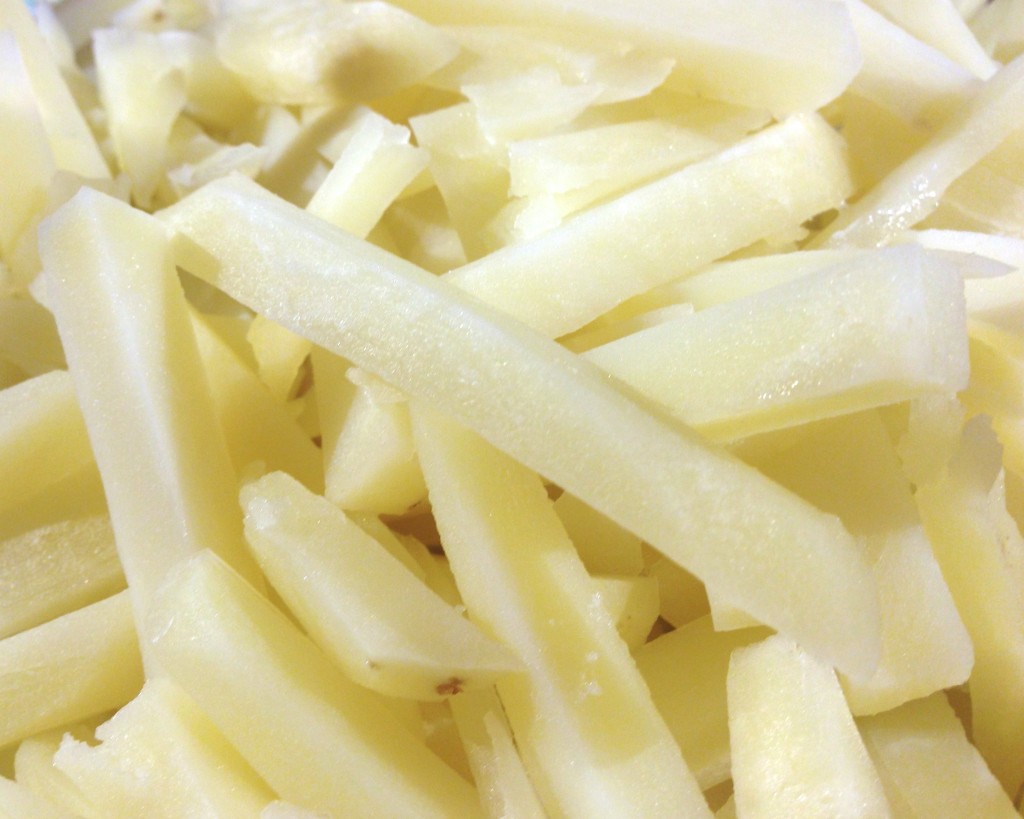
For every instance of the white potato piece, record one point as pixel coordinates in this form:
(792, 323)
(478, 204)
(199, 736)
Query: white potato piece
(928, 766)
(669, 488)
(686, 671)
(18, 802)
(368, 613)
(54, 569)
(633, 605)
(321, 741)
(913, 190)
(160, 756)
(24, 184)
(784, 55)
(795, 748)
(305, 52)
(73, 145)
(978, 545)
(661, 231)
(143, 93)
(34, 768)
(34, 414)
(522, 581)
(876, 330)
(83, 663)
(130, 345)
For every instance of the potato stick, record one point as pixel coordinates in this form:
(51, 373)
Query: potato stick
(543, 406)
(504, 786)
(321, 741)
(132, 352)
(73, 145)
(929, 767)
(875, 330)
(938, 23)
(974, 540)
(604, 547)
(55, 569)
(366, 611)
(795, 748)
(80, 664)
(523, 582)
(914, 189)
(161, 757)
(663, 230)
(34, 768)
(18, 802)
(256, 427)
(33, 415)
(686, 670)
(757, 53)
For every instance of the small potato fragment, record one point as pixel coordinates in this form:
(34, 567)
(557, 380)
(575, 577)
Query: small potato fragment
(303, 52)
(369, 614)
(80, 664)
(321, 741)
(795, 748)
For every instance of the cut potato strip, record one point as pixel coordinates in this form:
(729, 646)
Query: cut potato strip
(604, 547)
(632, 603)
(977, 545)
(914, 189)
(55, 569)
(80, 664)
(879, 329)
(504, 786)
(928, 767)
(322, 741)
(34, 768)
(160, 756)
(686, 671)
(73, 145)
(132, 352)
(523, 582)
(434, 342)
(256, 427)
(663, 230)
(370, 615)
(34, 414)
(795, 748)
(18, 802)
(758, 54)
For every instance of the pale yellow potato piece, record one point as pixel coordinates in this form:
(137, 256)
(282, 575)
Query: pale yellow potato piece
(24, 183)
(603, 546)
(498, 770)
(681, 596)
(928, 766)
(938, 23)
(795, 748)
(257, 428)
(910, 79)
(522, 581)
(469, 171)
(143, 93)
(310, 51)
(912, 191)
(663, 230)
(34, 768)
(422, 232)
(34, 414)
(160, 756)
(977, 546)
(369, 457)
(54, 569)
(783, 55)
(875, 330)
(28, 336)
(369, 614)
(73, 145)
(850, 468)
(132, 352)
(686, 671)
(669, 489)
(18, 802)
(320, 741)
(80, 664)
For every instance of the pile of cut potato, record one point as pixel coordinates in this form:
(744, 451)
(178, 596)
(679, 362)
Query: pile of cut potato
(512, 409)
